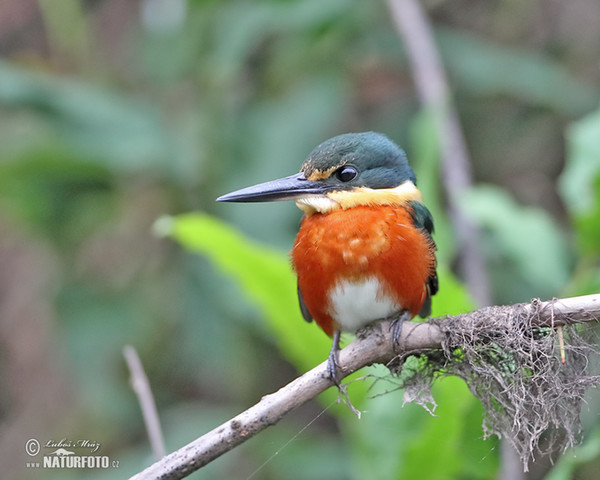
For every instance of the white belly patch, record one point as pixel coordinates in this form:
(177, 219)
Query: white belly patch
(355, 304)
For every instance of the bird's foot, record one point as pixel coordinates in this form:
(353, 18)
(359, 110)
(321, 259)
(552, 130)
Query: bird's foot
(396, 327)
(336, 375)
(333, 368)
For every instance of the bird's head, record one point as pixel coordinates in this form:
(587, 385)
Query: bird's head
(343, 172)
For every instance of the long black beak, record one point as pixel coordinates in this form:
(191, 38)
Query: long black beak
(287, 188)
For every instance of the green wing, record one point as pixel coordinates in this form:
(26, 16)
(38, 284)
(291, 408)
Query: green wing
(424, 221)
(303, 308)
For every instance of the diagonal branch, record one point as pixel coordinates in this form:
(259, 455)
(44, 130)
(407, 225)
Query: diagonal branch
(372, 345)
(141, 387)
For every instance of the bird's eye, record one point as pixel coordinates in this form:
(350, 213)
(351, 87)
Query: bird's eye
(347, 173)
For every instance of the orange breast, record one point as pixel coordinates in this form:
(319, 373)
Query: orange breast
(361, 243)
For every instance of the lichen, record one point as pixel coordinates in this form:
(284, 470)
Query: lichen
(512, 365)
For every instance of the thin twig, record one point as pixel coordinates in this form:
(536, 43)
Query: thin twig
(432, 88)
(141, 387)
(374, 345)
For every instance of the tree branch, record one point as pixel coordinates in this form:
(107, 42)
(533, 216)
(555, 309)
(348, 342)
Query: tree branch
(372, 345)
(141, 387)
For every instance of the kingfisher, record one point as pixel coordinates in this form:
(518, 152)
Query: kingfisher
(364, 251)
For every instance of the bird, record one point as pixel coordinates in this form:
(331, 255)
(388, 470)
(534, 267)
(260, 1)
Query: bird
(364, 251)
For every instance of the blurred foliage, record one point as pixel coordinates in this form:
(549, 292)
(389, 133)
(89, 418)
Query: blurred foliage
(580, 187)
(582, 456)
(115, 114)
(513, 233)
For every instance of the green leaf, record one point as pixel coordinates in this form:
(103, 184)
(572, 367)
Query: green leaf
(264, 276)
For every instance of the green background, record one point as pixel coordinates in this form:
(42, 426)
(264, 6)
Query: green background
(121, 122)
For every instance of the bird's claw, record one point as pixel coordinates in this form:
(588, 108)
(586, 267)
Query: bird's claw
(396, 327)
(333, 368)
